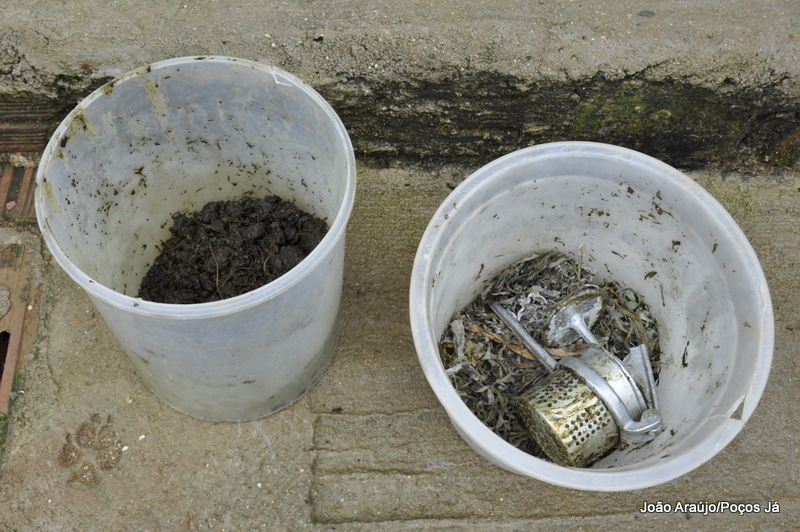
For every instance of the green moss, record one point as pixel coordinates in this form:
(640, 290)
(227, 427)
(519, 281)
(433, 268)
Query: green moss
(785, 152)
(18, 384)
(672, 121)
(3, 431)
(471, 117)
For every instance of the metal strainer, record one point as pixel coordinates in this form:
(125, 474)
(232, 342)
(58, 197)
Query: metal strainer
(569, 422)
(588, 403)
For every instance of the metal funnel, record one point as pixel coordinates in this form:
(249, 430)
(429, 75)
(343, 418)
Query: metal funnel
(574, 318)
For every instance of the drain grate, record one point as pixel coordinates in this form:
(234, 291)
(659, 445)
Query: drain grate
(16, 193)
(18, 311)
(18, 297)
(25, 126)
(27, 123)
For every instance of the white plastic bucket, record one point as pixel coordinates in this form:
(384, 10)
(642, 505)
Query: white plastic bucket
(172, 137)
(636, 220)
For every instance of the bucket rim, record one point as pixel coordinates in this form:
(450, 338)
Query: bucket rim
(502, 453)
(250, 299)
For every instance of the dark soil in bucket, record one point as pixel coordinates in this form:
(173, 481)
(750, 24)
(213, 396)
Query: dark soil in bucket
(229, 248)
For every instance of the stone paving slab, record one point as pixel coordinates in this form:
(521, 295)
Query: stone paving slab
(369, 447)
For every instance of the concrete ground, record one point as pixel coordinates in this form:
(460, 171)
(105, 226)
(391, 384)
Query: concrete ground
(369, 446)
(698, 84)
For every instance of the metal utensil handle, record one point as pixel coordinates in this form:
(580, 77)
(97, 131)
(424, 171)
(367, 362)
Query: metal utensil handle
(579, 326)
(516, 327)
(631, 431)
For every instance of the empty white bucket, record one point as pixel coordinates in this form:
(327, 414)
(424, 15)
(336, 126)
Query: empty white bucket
(172, 137)
(644, 224)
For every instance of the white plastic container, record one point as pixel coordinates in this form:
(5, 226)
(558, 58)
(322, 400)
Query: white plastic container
(172, 137)
(636, 220)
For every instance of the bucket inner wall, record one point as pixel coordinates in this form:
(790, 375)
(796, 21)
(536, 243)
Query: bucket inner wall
(633, 220)
(173, 138)
(170, 138)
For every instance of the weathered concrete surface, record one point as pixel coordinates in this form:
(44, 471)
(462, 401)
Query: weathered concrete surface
(687, 81)
(432, 83)
(369, 446)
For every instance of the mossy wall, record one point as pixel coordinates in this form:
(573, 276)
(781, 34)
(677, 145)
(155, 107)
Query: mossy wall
(474, 117)
(686, 125)
(480, 116)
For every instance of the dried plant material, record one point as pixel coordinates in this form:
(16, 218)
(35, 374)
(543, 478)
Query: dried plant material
(513, 346)
(491, 370)
(556, 352)
(560, 352)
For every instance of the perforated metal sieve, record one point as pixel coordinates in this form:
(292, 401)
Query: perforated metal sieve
(569, 422)
(589, 403)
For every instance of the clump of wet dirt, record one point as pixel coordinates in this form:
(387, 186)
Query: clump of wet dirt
(96, 447)
(229, 248)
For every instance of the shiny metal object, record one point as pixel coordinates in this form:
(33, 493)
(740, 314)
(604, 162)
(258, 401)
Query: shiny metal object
(591, 402)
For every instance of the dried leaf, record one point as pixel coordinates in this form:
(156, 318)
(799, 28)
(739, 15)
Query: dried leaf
(560, 352)
(515, 347)
(490, 372)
